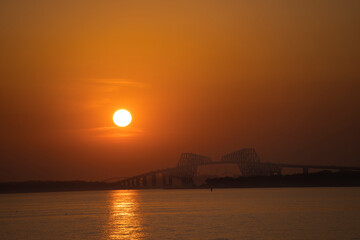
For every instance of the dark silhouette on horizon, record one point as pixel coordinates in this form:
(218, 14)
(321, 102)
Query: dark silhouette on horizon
(246, 160)
(253, 173)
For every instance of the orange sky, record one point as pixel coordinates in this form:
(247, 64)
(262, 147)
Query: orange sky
(208, 77)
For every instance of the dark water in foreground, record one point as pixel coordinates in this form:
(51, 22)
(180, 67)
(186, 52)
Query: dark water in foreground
(287, 213)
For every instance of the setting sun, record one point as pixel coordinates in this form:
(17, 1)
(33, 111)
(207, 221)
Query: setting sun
(122, 118)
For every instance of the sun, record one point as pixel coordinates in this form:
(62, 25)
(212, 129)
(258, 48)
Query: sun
(122, 118)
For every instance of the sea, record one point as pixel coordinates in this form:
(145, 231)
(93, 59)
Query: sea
(242, 213)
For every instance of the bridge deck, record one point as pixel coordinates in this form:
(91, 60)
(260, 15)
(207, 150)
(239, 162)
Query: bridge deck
(281, 165)
(317, 166)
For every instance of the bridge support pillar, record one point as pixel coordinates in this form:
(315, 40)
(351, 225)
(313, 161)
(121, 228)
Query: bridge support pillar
(144, 182)
(164, 180)
(167, 180)
(170, 180)
(153, 180)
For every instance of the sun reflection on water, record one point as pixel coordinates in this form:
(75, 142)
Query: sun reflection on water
(124, 220)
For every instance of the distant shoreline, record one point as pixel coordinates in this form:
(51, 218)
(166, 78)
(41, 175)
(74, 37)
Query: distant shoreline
(320, 179)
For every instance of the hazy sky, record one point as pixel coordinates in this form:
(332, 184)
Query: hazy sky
(208, 77)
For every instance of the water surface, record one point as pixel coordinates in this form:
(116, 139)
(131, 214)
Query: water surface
(273, 213)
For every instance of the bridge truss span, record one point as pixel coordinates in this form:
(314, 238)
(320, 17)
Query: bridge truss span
(246, 160)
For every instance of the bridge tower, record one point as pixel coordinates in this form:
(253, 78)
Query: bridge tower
(249, 163)
(187, 167)
(192, 159)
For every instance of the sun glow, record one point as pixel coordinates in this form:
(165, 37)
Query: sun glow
(122, 118)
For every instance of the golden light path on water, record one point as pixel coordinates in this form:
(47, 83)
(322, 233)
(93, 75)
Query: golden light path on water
(124, 219)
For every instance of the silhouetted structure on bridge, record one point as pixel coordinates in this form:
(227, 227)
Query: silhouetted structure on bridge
(192, 159)
(249, 163)
(188, 172)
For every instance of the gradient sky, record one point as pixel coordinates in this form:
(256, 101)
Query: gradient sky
(208, 77)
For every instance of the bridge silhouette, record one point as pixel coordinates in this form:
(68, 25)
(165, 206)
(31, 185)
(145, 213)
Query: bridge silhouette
(184, 174)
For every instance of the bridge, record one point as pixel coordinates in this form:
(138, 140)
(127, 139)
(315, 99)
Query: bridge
(188, 171)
